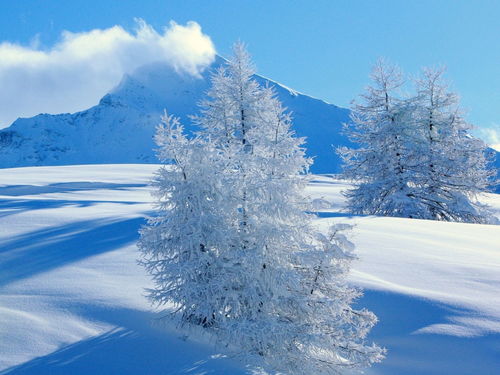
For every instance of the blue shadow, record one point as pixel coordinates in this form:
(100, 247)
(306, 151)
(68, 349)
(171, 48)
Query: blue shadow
(323, 215)
(15, 206)
(63, 187)
(136, 347)
(42, 250)
(411, 353)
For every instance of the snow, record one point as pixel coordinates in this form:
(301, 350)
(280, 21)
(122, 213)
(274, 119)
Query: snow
(101, 134)
(72, 299)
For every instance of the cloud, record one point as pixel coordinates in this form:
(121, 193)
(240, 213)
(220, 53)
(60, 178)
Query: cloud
(77, 71)
(491, 135)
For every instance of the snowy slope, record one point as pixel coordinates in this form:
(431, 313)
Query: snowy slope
(120, 128)
(71, 293)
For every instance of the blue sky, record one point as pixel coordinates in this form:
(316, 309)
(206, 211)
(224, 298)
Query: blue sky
(323, 48)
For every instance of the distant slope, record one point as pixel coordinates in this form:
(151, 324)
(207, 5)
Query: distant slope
(120, 128)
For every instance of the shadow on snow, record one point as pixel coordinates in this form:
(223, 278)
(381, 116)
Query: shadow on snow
(10, 206)
(31, 253)
(63, 187)
(135, 347)
(411, 353)
(16, 206)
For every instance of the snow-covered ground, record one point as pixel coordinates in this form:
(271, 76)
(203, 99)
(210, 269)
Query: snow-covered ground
(71, 292)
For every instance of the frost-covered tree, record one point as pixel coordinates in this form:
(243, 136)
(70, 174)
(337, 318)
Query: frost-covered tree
(177, 242)
(452, 168)
(415, 157)
(232, 250)
(382, 165)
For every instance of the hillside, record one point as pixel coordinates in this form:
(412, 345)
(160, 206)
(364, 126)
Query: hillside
(72, 300)
(120, 128)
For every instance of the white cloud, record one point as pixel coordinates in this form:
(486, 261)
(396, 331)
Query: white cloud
(77, 71)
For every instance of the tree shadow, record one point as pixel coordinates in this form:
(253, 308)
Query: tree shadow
(327, 214)
(136, 347)
(139, 347)
(31, 253)
(14, 206)
(412, 353)
(21, 204)
(63, 187)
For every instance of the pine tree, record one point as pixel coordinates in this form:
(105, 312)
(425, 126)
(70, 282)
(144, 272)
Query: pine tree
(452, 167)
(233, 249)
(176, 242)
(416, 157)
(381, 167)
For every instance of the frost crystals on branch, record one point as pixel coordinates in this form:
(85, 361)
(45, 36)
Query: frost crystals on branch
(452, 166)
(415, 156)
(232, 249)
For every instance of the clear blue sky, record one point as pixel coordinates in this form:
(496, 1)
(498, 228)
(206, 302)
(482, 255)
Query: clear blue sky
(324, 48)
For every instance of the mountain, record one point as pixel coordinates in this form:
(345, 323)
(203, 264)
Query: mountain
(120, 128)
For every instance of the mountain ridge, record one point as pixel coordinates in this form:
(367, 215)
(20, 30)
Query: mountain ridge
(120, 128)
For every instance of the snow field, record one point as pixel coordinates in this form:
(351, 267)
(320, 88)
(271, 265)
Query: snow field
(72, 299)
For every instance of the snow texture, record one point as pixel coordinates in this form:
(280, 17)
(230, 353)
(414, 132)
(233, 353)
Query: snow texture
(72, 299)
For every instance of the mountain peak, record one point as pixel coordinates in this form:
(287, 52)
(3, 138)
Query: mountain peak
(120, 128)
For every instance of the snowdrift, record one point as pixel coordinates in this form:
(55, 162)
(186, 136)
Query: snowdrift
(72, 295)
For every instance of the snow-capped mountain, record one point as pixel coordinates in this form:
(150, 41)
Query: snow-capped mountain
(120, 128)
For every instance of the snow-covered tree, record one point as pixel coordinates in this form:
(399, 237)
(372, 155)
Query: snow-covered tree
(452, 168)
(233, 251)
(188, 209)
(382, 165)
(415, 157)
